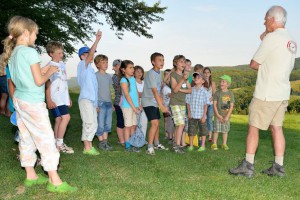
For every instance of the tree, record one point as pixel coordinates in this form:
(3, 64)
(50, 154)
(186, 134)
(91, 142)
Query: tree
(70, 21)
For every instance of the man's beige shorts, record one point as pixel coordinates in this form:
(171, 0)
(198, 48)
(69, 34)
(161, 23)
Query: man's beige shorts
(262, 114)
(130, 118)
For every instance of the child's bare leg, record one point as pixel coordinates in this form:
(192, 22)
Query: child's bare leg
(127, 131)
(225, 136)
(100, 137)
(120, 133)
(152, 131)
(54, 178)
(132, 130)
(63, 126)
(191, 140)
(87, 145)
(178, 135)
(56, 126)
(3, 103)
(105, 135)
(30, 173)
(203, 138)
(216, 134)
(183, 138)
(210, 135)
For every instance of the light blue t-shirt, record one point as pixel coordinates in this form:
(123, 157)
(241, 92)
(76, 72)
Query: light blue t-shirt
(132, 92)
(19, 64)
(87, 82)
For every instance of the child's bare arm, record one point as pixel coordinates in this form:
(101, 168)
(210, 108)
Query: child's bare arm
(217, 113)
(203, 119)
(176, 86)
(124, 87)
(91, 53)
(229, 112)
(49, 101)
(186, 91)
(39, 78)
(11, 88)
(189, 110)
(159, 100)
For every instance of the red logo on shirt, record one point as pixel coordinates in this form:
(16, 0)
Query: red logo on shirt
(292, 46)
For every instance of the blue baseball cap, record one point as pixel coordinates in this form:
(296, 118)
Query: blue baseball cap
(83, 50)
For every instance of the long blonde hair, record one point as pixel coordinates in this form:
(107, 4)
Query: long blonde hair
(16, 27)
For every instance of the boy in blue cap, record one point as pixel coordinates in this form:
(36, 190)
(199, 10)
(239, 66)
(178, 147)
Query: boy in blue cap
(223, 106)
(88, 97)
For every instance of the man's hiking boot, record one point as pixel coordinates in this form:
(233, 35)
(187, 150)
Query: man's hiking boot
(244, 169)
(274, 170)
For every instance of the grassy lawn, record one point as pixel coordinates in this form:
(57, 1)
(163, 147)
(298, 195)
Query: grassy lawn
(122, 175)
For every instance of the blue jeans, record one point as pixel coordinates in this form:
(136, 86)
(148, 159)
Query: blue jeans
(104, 117)
(209, 116)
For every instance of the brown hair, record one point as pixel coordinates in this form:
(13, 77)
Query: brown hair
(198, 67)
(100, 57)
(154, 55)
(176, 58)
(137, 67)
(16, 27)
(52, 46)
(124, 65)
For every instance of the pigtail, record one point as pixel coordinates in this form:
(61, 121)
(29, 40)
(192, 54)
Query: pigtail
(9, 44)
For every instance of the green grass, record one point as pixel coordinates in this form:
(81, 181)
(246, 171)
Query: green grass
(122, 175)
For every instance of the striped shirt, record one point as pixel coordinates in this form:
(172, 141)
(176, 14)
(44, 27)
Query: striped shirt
(197, 100)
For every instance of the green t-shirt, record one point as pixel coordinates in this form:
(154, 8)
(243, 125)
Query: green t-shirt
(224, 99)
(179, 97)
(19, 66)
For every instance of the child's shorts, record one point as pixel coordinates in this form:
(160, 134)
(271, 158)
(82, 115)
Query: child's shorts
(178, 113)
(192, 130)
(221, 127)
(152, 113)
(130, 118)
(120, 117)
(262, 114)
(60, 110)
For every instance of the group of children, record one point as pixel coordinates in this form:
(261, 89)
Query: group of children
(187, 102)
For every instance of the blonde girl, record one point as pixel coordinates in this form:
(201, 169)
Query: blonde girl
(211, 88)
(130, 100)
(32, 116)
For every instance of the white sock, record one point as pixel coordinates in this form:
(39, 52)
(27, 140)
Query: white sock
(59, 141)
(279, 160)
(250, 158)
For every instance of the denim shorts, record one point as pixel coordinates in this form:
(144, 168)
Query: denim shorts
(104, 117)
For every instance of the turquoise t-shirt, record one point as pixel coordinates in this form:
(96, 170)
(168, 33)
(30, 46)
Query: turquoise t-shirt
(11, 104)
(132, 92)
(19, 66)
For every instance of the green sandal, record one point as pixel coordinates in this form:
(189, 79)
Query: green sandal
(64, 187)
(39, 181)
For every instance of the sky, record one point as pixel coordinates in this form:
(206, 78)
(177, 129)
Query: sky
(208, 32)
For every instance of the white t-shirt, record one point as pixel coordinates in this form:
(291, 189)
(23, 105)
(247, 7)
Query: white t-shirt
(166, 92)
(276, 56)
(59, 85)
(140, 86)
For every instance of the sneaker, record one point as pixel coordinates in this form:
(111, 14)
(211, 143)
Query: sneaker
(39, 181)
(160, 147)
(201, 149)
(179, 150)
(244, 169)
(214, 147)
(92, 152)
(108, 147)
(190, 148)
(64, 187)
(136, 149)
(150, 151)
(275, 170)
(65, 149)
(225, 147)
